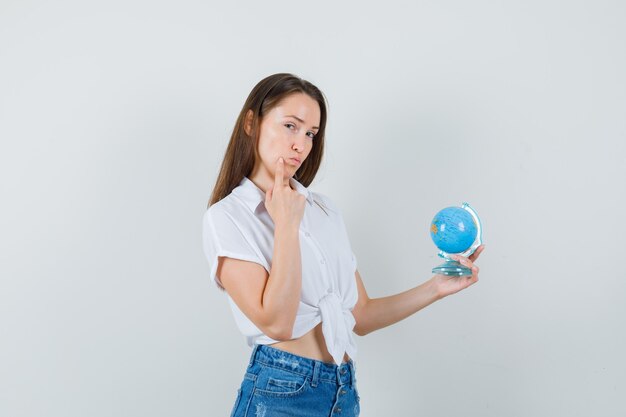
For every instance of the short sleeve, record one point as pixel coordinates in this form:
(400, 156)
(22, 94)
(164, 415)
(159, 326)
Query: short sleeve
(222, 236)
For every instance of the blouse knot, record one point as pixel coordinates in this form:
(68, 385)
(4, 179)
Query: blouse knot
(337, 325)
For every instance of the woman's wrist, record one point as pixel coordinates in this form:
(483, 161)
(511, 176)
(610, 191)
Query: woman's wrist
(432, 289)
(286, 230)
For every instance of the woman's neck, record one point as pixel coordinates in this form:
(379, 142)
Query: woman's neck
(265, 181)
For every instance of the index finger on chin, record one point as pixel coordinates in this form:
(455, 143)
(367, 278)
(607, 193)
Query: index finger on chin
(280, 172)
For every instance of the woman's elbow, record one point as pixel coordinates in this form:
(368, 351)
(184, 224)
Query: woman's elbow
(279, 333)
(360, 331)
(360, 319)
(360, 324)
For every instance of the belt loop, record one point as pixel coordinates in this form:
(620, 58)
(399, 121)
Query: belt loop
(316, 373)
(254, 349)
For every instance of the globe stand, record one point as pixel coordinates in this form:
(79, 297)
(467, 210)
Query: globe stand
(452, 269)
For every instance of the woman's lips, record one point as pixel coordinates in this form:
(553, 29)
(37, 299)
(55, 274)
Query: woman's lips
(294, 161)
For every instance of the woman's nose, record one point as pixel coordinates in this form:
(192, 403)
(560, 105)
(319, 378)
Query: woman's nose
(298, 144)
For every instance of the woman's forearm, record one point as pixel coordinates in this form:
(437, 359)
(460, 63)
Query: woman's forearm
(281, 296)
(378, 313)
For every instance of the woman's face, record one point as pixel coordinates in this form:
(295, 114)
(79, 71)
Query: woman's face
(287, 131)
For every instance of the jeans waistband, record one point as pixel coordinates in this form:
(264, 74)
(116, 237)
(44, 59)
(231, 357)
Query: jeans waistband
(316, 370)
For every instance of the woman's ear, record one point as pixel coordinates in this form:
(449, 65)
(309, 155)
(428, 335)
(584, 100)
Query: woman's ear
(247, 124)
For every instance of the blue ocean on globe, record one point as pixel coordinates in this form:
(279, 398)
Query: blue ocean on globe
(453, 230)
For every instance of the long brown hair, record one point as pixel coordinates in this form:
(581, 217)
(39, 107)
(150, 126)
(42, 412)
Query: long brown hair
(241, 152)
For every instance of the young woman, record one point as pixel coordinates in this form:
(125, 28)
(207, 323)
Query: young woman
(282, 254)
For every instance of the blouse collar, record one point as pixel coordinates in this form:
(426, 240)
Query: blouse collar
(252, 195)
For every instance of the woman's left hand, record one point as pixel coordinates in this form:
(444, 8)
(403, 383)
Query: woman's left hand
(447, 285)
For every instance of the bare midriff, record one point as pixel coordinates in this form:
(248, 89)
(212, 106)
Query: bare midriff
(311, 345)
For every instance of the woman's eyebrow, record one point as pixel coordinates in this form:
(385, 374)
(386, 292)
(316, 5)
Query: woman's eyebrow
(301, 121)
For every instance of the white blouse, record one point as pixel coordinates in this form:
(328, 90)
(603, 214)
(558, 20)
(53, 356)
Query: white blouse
(239, 226)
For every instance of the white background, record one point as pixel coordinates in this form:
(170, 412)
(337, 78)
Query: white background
(114, 118)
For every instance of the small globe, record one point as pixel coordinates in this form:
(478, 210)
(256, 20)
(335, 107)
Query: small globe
(453, 230)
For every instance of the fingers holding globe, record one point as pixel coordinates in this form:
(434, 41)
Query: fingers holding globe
(466, 262)
(476, 254)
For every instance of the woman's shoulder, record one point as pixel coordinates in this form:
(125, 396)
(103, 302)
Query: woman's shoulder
(227, 208)
(224, 204)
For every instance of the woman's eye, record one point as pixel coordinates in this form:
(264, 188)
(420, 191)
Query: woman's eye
(291, 125)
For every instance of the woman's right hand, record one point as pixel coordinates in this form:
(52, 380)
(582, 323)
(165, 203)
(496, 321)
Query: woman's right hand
(284, 205)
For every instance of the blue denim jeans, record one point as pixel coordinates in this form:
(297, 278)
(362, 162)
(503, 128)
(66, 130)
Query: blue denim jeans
(277, 383)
